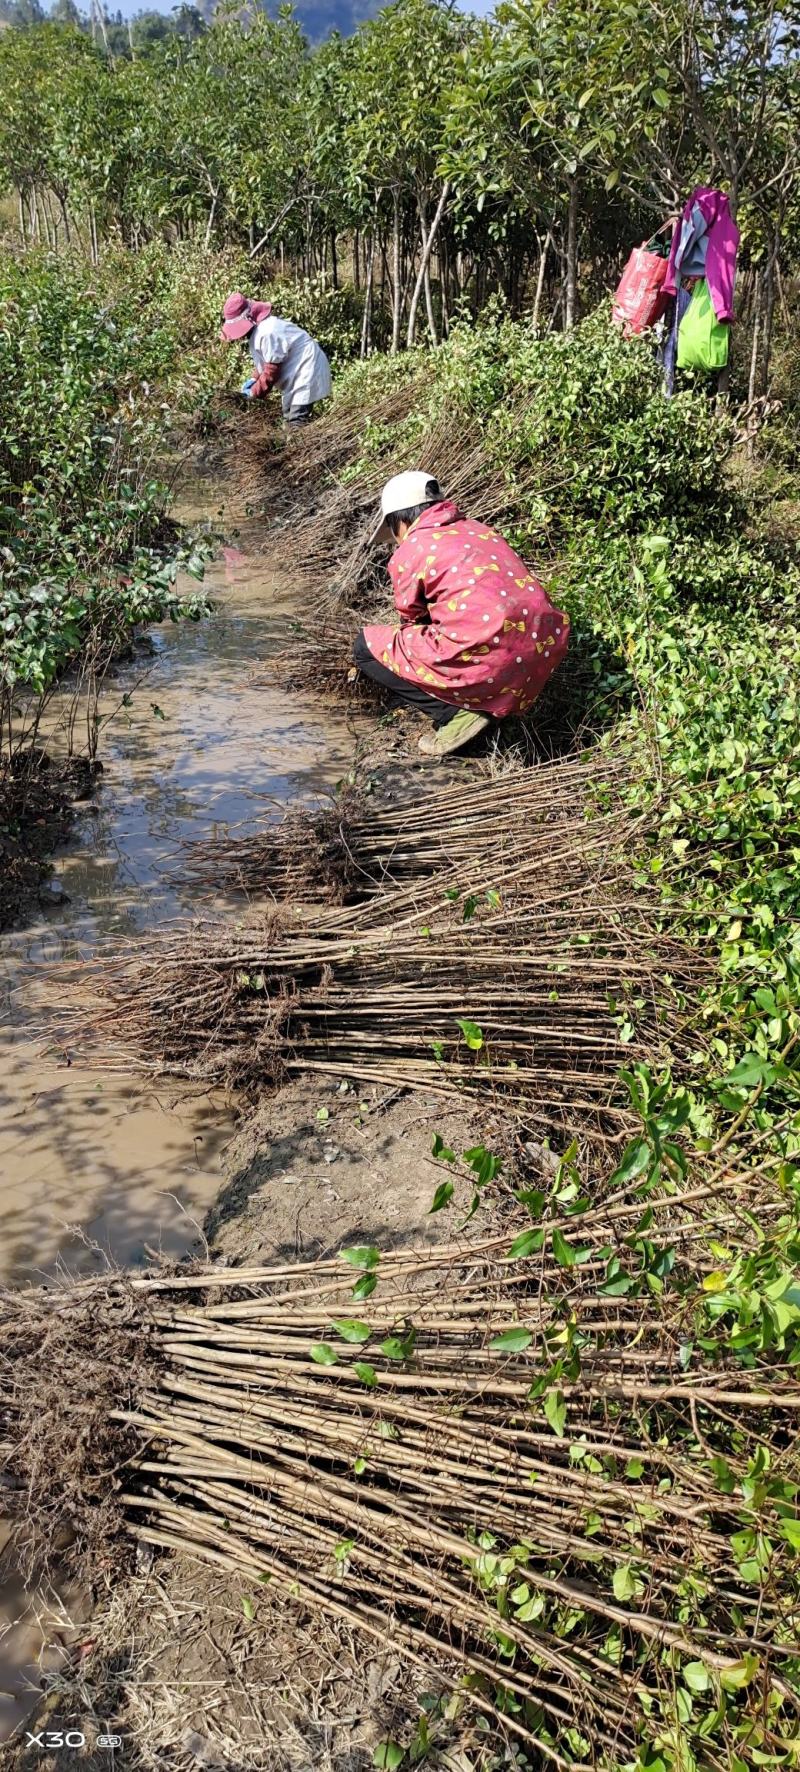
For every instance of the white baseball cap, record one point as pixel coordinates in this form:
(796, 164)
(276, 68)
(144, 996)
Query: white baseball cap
(400, 494)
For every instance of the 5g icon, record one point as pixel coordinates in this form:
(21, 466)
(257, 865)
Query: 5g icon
(53, 1738)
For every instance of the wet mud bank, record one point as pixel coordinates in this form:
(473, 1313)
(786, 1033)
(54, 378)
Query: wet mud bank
(100, 1168)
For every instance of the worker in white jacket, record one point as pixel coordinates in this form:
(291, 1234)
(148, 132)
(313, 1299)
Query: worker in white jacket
(284, 357)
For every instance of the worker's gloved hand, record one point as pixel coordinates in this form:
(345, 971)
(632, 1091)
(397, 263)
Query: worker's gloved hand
(247, 390)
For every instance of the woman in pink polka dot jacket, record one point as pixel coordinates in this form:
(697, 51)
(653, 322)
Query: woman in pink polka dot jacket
(478, 636)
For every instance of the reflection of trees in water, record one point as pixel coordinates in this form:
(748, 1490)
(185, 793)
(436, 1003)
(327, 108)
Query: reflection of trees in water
(129, 1164)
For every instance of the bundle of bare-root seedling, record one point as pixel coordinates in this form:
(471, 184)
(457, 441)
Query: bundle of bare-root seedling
(297, 470)
(542, 1468)
(361, 843)
(69, 1355)
(518, 970)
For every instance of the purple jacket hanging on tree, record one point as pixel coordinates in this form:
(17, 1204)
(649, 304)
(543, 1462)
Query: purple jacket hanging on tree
(705, 244)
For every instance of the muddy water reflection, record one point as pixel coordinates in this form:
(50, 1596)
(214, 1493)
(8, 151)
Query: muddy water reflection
(199, 749)
(91, 1163)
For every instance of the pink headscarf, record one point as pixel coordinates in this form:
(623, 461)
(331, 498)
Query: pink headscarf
(239, 315)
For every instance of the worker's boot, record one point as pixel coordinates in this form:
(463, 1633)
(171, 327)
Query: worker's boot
(455, 733)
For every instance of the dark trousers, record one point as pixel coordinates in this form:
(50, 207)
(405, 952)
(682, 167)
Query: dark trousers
(299, 415)
(402, 693)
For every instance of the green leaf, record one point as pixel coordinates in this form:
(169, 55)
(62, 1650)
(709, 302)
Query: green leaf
(532, 1609)
(442, 1197)
(661, 98)
(485, 1165)
(534, 1199)
(683, 1705)
(697, 1676)
(366, 1373)
(398, 1347)
(512, 1341)
(365, 1287)
(612, 180)
(389, 1755)
(527, 1243)
(351, 1329)
(790, 1530)
(247, 1607)
(323, 1113)
(359, 1466)
(739, 1675)
(749, 1073)
(323, 1354)
(624, 1583)
(555, 1409)
(364, 1256)
(564, 1252)
(442, 1150)
(636, 1158)
(472, 1034)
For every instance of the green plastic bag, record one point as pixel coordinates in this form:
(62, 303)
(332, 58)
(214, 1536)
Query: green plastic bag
(702, 338)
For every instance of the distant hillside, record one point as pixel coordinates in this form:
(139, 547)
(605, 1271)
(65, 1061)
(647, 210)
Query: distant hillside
(319, 18)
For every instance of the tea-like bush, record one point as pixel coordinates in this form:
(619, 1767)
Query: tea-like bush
(84, 547)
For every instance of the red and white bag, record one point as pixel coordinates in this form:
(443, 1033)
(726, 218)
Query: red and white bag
(640, 299)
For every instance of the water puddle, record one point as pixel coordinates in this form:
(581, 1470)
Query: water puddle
(96, 1167)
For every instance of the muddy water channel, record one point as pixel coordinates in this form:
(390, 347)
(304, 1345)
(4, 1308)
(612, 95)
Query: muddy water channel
(96, 1166)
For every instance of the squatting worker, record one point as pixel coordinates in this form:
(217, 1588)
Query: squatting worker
(284, 357)
(478, 636)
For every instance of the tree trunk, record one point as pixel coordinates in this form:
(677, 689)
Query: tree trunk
(444, 276)
(210, 223)
(397, 290)
(423, 275)
(537, 300)
(22, 228)
(571, 288)
(769, 315)
(357, 260)
(48, 222)
(753, 381)
(559, 302)
(334, 260)
(787, 319)
(366, 323)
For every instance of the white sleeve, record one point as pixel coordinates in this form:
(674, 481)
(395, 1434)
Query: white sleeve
(271, 341)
